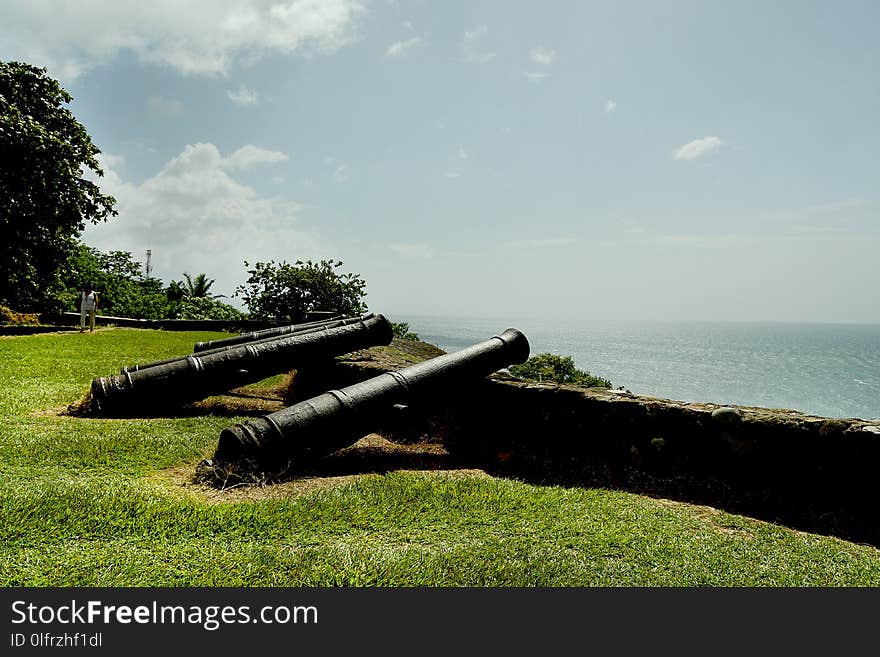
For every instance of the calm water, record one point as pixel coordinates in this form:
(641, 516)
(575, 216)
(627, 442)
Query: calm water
(825, 369)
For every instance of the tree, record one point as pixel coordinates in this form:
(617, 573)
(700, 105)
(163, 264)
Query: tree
(288, 292)
(560, 369)
(198, 286)
(46, 198)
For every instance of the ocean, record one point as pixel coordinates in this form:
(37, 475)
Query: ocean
(832, 370)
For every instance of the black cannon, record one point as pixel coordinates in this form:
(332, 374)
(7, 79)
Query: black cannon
(277, 331)
(196, 377)
(336, 419)
(294, 329)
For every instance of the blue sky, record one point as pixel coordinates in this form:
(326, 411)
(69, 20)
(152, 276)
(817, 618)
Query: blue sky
(613, 160)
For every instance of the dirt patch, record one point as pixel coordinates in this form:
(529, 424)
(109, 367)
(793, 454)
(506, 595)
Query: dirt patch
(54, 411)
(371, 455)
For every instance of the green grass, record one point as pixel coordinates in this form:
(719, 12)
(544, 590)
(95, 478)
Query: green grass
(81, 505)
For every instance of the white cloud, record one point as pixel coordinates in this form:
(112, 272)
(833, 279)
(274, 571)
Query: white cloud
(112, 161)
(196, 217)
(610, 106)
(697, 148)
(165, 108)
(532, 76)
(340, 175)
(198, 37)
(543, 56)
(462, 154)
(249, 156)
(243, 96)
(452, 174)
(472, 46)
(396, 49)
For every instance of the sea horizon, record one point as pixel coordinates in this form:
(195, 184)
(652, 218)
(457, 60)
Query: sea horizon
(393, 316)
(829, 369)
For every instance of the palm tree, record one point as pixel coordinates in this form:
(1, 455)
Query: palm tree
(198, 286)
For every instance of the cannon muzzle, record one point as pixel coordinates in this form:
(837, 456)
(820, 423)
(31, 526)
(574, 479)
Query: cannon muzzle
(336, 419)
(199, 376)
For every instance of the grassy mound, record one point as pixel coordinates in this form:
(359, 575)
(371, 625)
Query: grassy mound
(113, 502)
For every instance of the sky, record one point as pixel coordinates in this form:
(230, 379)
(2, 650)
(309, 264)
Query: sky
(576, 160)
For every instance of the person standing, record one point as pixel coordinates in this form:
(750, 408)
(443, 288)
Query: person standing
(88, 305)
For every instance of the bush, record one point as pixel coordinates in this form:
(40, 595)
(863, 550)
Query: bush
(559, 369)
(207, 308)
(401, 331)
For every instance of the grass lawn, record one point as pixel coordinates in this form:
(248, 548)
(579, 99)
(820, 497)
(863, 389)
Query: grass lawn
(87, 502)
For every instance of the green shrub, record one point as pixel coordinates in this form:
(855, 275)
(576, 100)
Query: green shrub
(207, 308)
(559, 369)
(401, 331)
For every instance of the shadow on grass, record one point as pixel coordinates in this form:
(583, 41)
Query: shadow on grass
(539, 455)
(372, 454)
(377, 455)
(857, 524)
(236, 403)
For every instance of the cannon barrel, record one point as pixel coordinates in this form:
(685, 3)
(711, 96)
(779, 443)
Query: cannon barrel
(294, 329)
(338, 418)
(253, 336)
(196, 377)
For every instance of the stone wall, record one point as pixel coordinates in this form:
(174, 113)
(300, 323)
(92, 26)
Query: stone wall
(809, 472)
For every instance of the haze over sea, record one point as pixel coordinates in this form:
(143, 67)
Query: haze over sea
(830, 370)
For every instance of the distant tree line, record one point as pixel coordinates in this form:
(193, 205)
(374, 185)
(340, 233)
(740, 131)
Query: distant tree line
(125, 292)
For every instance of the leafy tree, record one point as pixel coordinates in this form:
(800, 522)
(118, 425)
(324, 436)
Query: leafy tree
(288, 292)
(175, 291)
(143, 299)
(560, 369)
(46, 198)
(198, 286)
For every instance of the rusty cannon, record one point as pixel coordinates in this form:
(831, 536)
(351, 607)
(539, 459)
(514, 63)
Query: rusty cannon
(277, 331)
(324, 424)
(247, 338)
(198, 376)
